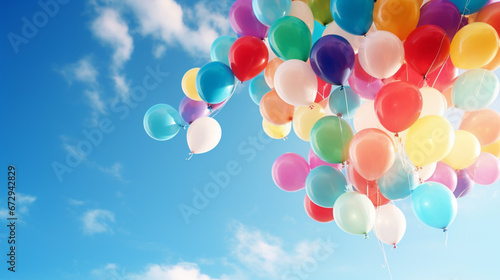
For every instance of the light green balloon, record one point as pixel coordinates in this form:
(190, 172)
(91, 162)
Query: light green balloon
(330, 138)
(475, 89)
(354, 213)
(290, 38)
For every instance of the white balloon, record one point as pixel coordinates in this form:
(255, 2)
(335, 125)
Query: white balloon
(334, 29)
(203, 135)
(390, 224)
(426, 171)
(381, 54)
(365, 116)
(272, 55)
(296, 83)
(302, 11)
(354, 213)
(434, 103)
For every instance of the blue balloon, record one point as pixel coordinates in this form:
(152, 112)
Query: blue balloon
(398, 182)
(317, 32)
(267, 11)
(162, 122)
(219, 51)
(324, 184)
(332, 59)
(258, 87)
(344, 102)
(353, 16)
(468, 7)
(215, 82)
(434, 204)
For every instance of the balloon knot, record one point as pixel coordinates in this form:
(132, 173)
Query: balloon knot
(420, 180)
(445, 230)
(190, 155)
(209, 107)
(366, 236)
(341, 87)
(339, 115)
(395, 247)
(311, 107)
(397, 135)
(425, 77)
(284, 138)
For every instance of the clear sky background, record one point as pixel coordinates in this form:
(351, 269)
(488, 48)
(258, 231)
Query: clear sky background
(114, 212)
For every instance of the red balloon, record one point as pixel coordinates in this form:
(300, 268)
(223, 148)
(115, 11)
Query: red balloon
(398, 105)
(369, 188)
(316, 212)
(248, 56)
(441, 79)
(427, 48)
(324, 90)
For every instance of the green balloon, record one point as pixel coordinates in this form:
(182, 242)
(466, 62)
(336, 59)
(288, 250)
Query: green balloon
(354, 213)
(475, 89)
(321, 11)
(290, 38)
(330, 138)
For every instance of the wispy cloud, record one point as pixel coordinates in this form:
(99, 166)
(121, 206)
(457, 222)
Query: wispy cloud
(75, 202)
(97, 221)
(114, 170)
(80, 71)
(23, 203)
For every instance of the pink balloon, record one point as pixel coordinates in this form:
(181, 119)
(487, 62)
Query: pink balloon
(315, 161)
(486, 169)
(445, 175)
(362, 83)
(290, 171)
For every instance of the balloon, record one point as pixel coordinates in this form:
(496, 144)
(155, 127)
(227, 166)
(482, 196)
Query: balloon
(354, 213)
(276, 131)
(267, 11)
(482, 83)
(321, 11)
(429, 140)
(330, 138)
(316, 212)
(215, 82)
(324, 90)
(398, 105)
(464, 184)
(274, 110)
(443, 14)
(465, 151)
(474, 46)
(399, 181)
(426, 48)
(434, 205)
(445, 175)
(381, 54)
(484, 124)
(334, 29)
(191, 110)
(304, 119)
(162, 122)
(302, 11)
(189, 84)
(491, 15)
(220, 49)
(344, 102)
(324, 185)
(425, 172)
(368, 188)
(244, 66)
(270, 71)
(468, 7)
(354, 16)
(390, 224)
(493, 149)
(447, 96)
(332, 59)
(244, 22)
(362, 83)
(365, 117)
(399, 17)
(434, 102)
(290, 171)
(486, 169)
(203, 135)
(272, 55)
(258, 87)
(290, 38)
(296, 83)
(318, 31)
(315, 161)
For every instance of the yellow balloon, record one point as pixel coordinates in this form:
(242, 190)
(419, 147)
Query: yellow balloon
(474, 46)
(465, 151)
(276, 131)
(493, 149)
(189, 84)
(399, 17)
(429, 140)
(304, 119)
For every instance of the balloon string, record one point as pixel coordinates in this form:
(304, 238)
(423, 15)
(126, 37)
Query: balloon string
(190, 156)
(435, 58)
(346, 103)
(446, 238)
(385, 258)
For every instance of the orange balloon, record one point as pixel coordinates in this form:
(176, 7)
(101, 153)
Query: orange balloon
(270, 70)
(371, 153)
(484, 124)
(399, 17)
(274, 110)
(490, 14)
(447, 95)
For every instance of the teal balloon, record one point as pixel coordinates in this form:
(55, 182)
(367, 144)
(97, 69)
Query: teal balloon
(330, 138)
(219, 51)
(344, 102)
(215, 82)
(324, 184)
(317, 32)
(468, 7)
(267, 11)
(475, 89)
(162, 122)
(353, 16)
(290, 38)
(434, 204)
(398, 182)
(258, 87)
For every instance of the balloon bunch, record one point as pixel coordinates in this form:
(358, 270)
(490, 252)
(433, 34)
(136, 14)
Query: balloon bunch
(380, 134)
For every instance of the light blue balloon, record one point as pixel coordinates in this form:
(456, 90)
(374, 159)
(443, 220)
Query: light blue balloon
(468, 7)
(317, 32)
(434, 204)
(344, 102)
(324, 184)
(398, 182)
(219, 51)
(215, 82)
(353, 16)
(475, 89)
(267, 11)
(258, 87)
(162, 122)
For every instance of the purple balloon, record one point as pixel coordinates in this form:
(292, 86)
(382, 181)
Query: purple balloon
(244, 22)
(315, 161)
(445, 175)
(442, 13)
(464, 184)
(332, 59)
(290, 172)
(191, 110)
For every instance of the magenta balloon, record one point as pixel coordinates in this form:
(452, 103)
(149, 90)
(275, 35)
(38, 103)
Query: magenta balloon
(190, 110)
(217, 106)
(362, 83)
(244, 22)
(445, 175)
(464, 184)
(290, 172)
(315, 161)
(486, 169)
(442, 13)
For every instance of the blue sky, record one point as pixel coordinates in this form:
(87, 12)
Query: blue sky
(84, 76)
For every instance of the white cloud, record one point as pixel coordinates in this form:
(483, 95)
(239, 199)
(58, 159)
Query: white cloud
(75, 202)
(114, 170)
(23, 202)
(122, 87)
(81, 71)
(95, 102)
(97, 221)
(159, 51)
